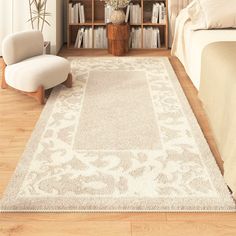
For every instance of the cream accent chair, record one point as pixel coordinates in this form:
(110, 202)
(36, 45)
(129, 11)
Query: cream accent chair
(174, 7)
(27, 69)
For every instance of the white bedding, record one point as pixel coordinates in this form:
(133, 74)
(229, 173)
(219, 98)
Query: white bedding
(174, 7)
(188, 44)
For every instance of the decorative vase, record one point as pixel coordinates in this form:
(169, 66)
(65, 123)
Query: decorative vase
(118, 17)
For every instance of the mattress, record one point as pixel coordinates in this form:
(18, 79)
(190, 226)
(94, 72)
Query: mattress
(188, 45)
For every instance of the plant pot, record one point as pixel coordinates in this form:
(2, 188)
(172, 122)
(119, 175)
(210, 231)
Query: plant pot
(118, 17)
(47, 47)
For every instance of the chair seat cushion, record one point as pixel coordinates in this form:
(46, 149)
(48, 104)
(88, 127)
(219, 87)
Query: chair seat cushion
(45, 70)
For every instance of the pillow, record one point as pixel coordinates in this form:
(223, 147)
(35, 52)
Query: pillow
(212, 14)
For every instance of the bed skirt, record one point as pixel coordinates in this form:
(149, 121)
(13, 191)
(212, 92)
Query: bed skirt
(218, 94)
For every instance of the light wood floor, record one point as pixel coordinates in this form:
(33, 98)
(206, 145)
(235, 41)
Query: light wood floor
(18, 116)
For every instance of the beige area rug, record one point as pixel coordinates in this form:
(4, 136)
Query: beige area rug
(123, 139)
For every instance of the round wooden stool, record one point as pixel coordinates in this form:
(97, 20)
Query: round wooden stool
(118, 39)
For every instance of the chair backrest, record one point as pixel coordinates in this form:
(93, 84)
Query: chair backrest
(20, 46)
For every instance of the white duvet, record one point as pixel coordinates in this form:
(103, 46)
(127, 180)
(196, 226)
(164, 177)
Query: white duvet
(188, 44)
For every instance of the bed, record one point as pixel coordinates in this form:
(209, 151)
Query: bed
(209, 59)
(188, 45)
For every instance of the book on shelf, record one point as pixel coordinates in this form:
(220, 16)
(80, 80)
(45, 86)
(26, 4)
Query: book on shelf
(127, 14)
(155, 13)
(158, 13)
(76, 13)
(88, 38)
(82, 15)
(162, 14)
(135, 14)
(79, 38)
(135, 37)
(151, 37)
(100, 37)
(108, 12)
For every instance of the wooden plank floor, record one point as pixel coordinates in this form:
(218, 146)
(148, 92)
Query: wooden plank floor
(18, 116)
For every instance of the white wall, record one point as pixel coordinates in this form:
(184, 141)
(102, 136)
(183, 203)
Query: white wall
(65, 20)
(53, 33)
(60, 24)
(5, 19)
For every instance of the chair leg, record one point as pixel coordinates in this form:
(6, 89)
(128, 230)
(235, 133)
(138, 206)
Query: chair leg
(3, 84)
(68, 82)
(39, 95)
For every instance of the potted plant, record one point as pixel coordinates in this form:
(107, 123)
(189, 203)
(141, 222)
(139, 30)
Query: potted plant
(38, 15)
(118, 15)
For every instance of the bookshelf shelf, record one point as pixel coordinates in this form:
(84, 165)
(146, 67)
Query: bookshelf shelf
(94, 24)
(82, 24)
(152, 24)
(99, 22)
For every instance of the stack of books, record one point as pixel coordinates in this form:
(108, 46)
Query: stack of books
(135, 14)
(159, 13)
(135, 37)
(100, 37)
(84, 38)
(151, 37)
(76, 13)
